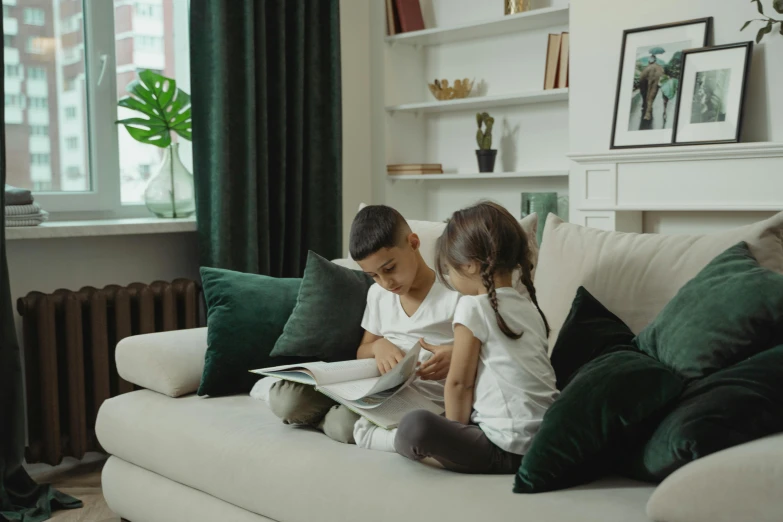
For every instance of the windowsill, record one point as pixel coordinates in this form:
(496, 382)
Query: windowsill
(102, 227)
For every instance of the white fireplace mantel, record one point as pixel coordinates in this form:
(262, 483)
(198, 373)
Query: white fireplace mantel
(612, 189)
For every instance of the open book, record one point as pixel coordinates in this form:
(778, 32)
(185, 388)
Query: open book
(358, 385)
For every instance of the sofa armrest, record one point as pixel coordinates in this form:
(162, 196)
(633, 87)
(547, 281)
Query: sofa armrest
(168, 362)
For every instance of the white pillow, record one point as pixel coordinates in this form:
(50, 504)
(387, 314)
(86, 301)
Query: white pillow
(742, 483)
(635, 275)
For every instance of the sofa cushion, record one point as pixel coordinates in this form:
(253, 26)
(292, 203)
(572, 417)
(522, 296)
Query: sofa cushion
(326, 322)
(731, 310)
(612, 400)
(235, 449)
(246, 314)
(635, 275)
(166, 362)
(737, 484)
(589, 331)
(730, 407)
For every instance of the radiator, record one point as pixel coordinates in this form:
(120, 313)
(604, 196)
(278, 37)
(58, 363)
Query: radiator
(69, 343)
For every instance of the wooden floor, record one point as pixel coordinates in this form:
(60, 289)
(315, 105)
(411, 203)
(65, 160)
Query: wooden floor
(84, 483)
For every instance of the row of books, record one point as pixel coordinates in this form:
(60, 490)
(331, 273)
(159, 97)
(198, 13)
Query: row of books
(414, 168)
(556, 75)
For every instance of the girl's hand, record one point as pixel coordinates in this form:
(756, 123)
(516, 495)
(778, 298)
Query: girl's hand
(387, 355)
(436, 367)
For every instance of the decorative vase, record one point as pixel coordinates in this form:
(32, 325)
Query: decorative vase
(486, 159)
(541, 203)
(516, 6)
(170, 193)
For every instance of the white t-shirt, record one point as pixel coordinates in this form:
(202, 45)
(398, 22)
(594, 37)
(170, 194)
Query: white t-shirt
(385, 317)
(515, 384)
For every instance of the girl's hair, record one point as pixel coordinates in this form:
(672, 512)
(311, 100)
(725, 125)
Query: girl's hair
(489, 235)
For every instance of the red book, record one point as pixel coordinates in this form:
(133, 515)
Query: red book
(409, 15)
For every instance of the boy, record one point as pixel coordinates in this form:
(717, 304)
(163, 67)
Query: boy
(406, 305)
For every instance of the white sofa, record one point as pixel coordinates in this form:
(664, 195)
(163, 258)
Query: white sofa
(179, 457)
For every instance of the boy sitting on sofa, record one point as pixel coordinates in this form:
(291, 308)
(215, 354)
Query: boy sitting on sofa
(406, 305)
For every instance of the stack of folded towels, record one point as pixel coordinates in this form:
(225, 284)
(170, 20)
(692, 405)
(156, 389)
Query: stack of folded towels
(21, 210)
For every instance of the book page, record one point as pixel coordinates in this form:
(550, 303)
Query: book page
(389, 414)
(351, 390)
(326, 373)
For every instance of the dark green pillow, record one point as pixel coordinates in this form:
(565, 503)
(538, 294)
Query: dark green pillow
(611, 400)
(731, 310)
(730, 407)
(326, 323)
(246, 314)
(589, 331)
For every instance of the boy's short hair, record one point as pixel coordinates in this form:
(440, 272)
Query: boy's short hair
(376, 227)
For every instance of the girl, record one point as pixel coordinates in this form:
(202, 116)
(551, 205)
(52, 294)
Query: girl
(500, 382)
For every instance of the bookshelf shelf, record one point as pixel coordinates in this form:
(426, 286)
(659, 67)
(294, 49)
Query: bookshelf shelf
(528, 21)
(480, 175)
(483, 102)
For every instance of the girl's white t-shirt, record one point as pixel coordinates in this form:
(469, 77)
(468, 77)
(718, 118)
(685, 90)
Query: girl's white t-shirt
(515, 383)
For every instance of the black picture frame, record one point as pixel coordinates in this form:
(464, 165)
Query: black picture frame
(708, 21)
(743, 90)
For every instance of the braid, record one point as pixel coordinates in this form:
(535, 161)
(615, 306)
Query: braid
(527, 280)
(488, 278)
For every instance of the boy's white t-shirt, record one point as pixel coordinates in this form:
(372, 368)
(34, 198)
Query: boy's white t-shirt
(432, 321)
(515, 383)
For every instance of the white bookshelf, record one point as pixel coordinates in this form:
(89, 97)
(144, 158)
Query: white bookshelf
(483, 102)
(531, 20)
(505, 56)
(479, 176)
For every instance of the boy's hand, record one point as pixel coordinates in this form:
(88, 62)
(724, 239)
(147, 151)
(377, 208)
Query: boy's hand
(436, 367)
(387, 355)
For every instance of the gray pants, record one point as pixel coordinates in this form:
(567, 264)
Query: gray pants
(458, 447)
(300, 404)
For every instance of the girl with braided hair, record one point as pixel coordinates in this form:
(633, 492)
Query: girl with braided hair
(500, 382)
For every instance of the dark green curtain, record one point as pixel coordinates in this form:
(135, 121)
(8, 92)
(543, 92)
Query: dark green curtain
(266, 132)
(21, 499)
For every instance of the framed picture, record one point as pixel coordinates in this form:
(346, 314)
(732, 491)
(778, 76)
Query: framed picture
(648, 81)
(712, 94)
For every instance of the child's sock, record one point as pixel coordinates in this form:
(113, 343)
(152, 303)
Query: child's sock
(370, 436)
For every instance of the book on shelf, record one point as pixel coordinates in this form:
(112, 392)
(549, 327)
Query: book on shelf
(414, 167)
(552, 61)
(562, 74)
(382, 399)
(409, 15)
(392, 20)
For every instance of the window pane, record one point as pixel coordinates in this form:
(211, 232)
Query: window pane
(47, 151)
(148, 36)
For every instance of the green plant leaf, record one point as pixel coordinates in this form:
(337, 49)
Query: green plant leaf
(760, 7)
(777, 5)
(745, 26)
(763, 31)
(781, 28)
(166, 107)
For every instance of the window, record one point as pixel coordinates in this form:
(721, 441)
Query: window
(36, 73)
(34, 16)
(38, 102)
(39, 159)
(89, 167)
(6, 11)
(35, 45)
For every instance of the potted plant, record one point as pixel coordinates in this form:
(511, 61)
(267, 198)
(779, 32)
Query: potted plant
(485, 153)
(769, 22)
(166, 109)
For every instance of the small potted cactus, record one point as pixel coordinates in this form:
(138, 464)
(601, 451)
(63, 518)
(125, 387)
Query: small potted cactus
(485, 153)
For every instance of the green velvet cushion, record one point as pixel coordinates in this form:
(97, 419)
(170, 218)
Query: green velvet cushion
(246, 314)
(731, 310)
(589, 331)
(611, 400)
(730, 407)
(326, 323)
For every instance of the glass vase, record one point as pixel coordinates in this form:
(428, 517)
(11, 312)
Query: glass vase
(170, 193)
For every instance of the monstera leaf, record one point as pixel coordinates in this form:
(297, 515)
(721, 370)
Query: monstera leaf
(166, 107)
(777, 5)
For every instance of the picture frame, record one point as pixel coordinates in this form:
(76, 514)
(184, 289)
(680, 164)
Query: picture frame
(648, 81)
(711, 97)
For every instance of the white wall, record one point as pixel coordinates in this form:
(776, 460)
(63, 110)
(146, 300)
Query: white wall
(596, 37)
(357, 143)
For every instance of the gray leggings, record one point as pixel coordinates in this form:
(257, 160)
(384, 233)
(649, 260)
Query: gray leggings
(458, 447)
